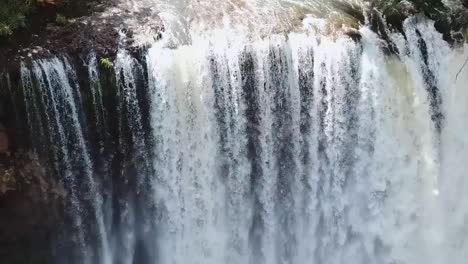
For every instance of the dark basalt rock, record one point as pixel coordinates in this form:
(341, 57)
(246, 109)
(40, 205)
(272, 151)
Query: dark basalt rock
(32, 201)
(3, 139)
(83, 27)
(43, 38)
(354, 34)
(30, 206)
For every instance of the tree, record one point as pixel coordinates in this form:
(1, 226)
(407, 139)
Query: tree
(13, 15)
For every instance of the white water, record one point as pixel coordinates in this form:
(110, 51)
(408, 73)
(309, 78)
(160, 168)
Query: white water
(295, 148)
(70, 158)
(347, 165)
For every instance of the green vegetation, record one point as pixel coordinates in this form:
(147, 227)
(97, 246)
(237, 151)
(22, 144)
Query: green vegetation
(106, 63)
(13, 15)
(61, 19)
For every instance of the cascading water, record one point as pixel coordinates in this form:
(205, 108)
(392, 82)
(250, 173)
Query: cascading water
(70, 157)
(297, 148)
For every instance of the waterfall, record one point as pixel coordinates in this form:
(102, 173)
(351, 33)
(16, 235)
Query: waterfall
(59, 96)
(294, 148)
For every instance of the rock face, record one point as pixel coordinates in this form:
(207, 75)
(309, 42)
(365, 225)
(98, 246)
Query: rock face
(30, 203)
(76, 29)
(30, 200)
(3, 142)
(3, 139)
(54, 28)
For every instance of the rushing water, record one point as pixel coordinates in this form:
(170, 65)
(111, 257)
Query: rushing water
(291, 149)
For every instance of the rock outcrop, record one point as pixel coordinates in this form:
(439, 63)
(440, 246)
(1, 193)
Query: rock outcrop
(76, 29)
(3, 139)
(30, 203)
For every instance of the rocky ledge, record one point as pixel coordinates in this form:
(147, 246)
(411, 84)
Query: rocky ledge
(99, 26)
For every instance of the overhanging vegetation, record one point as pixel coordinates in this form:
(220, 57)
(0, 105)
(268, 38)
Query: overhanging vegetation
(13, 15)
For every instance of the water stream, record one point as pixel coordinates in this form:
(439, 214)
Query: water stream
(288, 148)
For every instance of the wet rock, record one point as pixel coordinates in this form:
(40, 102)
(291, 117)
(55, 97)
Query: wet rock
(3, 139)
(3, 142)
(30, 204)
(458, 37)
(354, 34)
(7, 180)
(91, 29)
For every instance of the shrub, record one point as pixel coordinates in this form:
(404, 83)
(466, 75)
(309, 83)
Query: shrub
(13, 14)
(106, 63)
(61, 19)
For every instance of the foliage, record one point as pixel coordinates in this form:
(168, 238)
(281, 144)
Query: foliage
(5, 30)
(13, 15)
(61, 19)
(106, 63)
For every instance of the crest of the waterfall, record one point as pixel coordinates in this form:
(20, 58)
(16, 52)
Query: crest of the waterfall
(184, 20)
